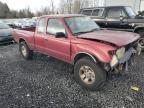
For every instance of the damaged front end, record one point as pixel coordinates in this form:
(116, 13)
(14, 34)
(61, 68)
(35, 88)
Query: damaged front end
(124, 56)
(140, 47)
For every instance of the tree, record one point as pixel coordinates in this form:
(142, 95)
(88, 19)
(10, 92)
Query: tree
(21, 14)
(72, 6)
(4, 10)
(29, 14)
(62, 7)
(52, 6)
(44, 11)
(77, 6)
(66, 6)
(13, 14)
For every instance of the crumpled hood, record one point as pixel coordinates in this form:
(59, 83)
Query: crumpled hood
(118, 38)
(5, 32)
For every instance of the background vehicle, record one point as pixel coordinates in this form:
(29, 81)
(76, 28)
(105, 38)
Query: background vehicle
(28, 24)
(35, 19)
(78, 40)
(10, 23)
(140, 14)
(5, 33)
(117, 18)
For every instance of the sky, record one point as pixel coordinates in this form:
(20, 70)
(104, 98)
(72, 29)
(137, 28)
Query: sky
(34, 5)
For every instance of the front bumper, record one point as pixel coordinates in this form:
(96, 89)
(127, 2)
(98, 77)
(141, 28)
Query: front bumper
(128, 58)
(128, 54)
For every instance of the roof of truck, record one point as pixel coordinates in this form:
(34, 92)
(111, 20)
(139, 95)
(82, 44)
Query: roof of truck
(105, 7)
(62, 15)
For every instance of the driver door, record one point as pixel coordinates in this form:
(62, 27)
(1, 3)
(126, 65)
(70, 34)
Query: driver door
(57, 47)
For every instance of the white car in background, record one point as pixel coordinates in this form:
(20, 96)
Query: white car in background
(28, 24)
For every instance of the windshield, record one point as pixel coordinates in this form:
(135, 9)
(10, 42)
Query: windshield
(130, 11)
(79, 25)
(3, 26)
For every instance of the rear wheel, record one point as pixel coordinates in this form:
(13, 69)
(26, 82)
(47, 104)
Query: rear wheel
(25, 51)
(89, 74)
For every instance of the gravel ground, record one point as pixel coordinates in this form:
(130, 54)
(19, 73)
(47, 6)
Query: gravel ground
(46, 82)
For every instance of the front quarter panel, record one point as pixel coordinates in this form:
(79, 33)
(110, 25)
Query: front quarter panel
(99, 51)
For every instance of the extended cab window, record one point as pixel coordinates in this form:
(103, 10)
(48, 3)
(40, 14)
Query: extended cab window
(41, 25)
(55, 26)
(87, 12)
(116, 13)
(97, 12)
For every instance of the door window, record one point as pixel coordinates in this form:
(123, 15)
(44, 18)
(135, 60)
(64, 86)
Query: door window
(87, 12)
(97, 12)
(55, 26)
(116, 13)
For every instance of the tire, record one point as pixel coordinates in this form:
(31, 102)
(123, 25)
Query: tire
(98, 78)
(25, 51)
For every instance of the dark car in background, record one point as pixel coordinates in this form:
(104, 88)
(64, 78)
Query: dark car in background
(117, 18)
(5, 33)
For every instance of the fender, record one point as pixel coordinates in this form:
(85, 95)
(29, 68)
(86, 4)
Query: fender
(95, 53)
(85, 53)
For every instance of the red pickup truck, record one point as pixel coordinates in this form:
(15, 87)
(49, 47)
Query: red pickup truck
(78, 40)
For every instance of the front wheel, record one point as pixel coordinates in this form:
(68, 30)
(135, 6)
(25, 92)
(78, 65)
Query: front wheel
(25, 51)
(89, 74)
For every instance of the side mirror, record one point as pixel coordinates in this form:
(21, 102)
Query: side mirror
(60, 35)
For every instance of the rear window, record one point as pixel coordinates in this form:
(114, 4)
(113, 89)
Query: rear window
(41, 25)
(87, 12)
(97, 12)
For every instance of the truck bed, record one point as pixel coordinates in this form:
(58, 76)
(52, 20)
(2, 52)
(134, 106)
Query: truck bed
(32, 29)
(28, 36)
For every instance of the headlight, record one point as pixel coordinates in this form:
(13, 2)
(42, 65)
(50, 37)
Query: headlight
(114, 61)
(120, 53)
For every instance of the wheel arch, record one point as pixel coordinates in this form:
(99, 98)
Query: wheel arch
(83, 54)
(21, 40)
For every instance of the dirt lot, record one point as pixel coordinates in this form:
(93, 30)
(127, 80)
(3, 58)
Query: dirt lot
(45, 82)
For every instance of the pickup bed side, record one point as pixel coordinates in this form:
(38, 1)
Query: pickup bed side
(23, 35)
